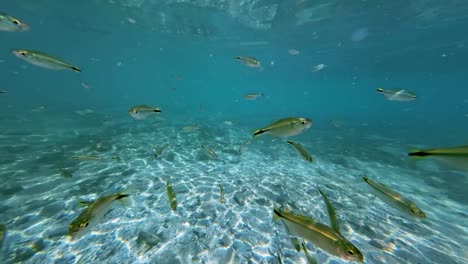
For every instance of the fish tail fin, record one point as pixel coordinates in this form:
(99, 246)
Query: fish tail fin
(258, 133)
(121, 198)
(276, 213)
(75, 68)
(418, 153)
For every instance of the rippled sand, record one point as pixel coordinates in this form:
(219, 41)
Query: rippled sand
(37, 204)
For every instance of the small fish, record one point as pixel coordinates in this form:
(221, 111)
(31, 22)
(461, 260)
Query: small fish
(331, 212)
(85, 85)
(278, 254)
(286, 127)
(209, 151)
(242, 146)
(455, 152)
(253, 96)
(65, 173)
(171, 195)
(86, 157)
(141, 112)
(318, 67)
(39, 109)
(322, 236)
(159, 151)
(309, 257)
(301, 150)
(249, 61)
(221, 194)
(189, 129)
(397, 95)
(3, 234)
(116, 158)
(92, 214)
(3, 92)
(293, 52)
(11, 24)
(43, 60)
(395, 199)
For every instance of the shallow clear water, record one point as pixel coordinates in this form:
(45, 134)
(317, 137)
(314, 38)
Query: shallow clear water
(180, 57)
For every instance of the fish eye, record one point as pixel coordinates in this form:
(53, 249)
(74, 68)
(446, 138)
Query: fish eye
(84, 224)
(16, 22)
(22, 53)
(350, 252)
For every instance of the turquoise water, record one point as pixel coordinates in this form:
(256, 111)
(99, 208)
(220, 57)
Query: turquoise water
(179, 56)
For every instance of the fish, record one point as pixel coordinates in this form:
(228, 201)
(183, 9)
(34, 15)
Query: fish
(331, 212)
(253, 96)
(456, 157)
(86, 157)
(249, 61)
(323, 236)
(286, 127)
(189, 129)
(3, 234)
(397, 95)
(65, 173)
(293, 51)
(309, 257)
(171, 195)
(395, 199)
(209, 151)
(116, 158)
(296, 243)
(3, 92)
(11, 24)
(301, 150)
(318, 67)
(43, 60)
(159, 151)
(221, 194)
(242, 146)
(92, 214)
(278, 254)
(141, 112)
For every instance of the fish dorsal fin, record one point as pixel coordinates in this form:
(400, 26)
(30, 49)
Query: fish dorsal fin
(331, 212)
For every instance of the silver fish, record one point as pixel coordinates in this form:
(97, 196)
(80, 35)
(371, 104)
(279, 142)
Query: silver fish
(286, 127)
(397, 95)
(305, 155)
(43, 60)
(141, 112)
(395, 199)
(92, 214)
(11, 24)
